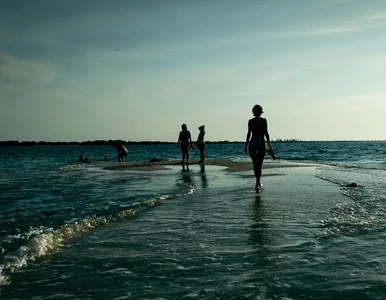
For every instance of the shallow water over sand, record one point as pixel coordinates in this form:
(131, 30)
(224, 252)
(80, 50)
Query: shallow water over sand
(202, 232)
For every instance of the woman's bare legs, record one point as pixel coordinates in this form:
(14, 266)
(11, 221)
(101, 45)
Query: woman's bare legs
(257, 160)
(202, 155)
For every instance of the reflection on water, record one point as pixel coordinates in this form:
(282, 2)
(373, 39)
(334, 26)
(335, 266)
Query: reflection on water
(186, 178)
(203, 176)
(267, 264)
(258, 235)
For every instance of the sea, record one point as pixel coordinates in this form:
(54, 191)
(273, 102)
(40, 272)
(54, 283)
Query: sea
(70, 230)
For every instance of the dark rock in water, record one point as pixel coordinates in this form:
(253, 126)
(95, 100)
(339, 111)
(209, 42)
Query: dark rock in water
(154, 159)
(353, 184)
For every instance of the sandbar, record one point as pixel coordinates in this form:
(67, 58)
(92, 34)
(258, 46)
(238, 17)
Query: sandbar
(228, 164)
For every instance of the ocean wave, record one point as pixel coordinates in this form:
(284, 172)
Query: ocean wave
(353, 218)
(364, 166)
(40, 242)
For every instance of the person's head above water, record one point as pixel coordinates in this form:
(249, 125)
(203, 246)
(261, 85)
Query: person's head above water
(184, 127)
(257, 110)
(201, 128)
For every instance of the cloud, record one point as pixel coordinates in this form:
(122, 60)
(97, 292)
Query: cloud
(375, 17)
(316, 32)
(368, 101)
(15, 71)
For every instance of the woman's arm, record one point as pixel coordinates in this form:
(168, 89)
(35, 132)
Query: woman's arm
(267, 135)
(248, 137)
(190, 140)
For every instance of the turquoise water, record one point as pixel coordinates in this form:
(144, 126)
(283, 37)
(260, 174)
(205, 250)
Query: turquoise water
(78, 231)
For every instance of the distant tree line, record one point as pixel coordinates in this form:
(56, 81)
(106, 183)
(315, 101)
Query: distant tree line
(96, 142)
(110, 142)
(286, 140)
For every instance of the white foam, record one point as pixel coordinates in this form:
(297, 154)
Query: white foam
(42, 243)
(46, 241)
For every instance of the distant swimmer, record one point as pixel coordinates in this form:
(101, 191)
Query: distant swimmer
(258, 127)
(185, 142)
(154, 159)
(84, 159)
(201, 143)
(122, 151)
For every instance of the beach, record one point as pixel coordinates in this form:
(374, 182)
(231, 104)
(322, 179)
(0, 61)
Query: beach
(229, 165)
(219, 240)
(140, 230)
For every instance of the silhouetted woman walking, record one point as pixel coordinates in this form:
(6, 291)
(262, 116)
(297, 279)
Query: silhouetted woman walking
(258, 128)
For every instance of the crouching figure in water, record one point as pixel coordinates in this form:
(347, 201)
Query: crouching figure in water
(122, 151)
(258, 128)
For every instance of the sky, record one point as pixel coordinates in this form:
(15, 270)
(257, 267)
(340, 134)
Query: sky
(135, 70)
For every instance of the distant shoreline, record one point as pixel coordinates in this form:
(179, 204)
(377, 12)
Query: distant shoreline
(109, 142)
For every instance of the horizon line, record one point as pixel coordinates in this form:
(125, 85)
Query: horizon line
(102, 142)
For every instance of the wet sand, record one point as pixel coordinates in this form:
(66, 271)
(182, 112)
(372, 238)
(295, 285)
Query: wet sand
(229, 165)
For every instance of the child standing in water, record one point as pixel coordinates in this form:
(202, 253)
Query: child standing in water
(201, 143)
(185, 141)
